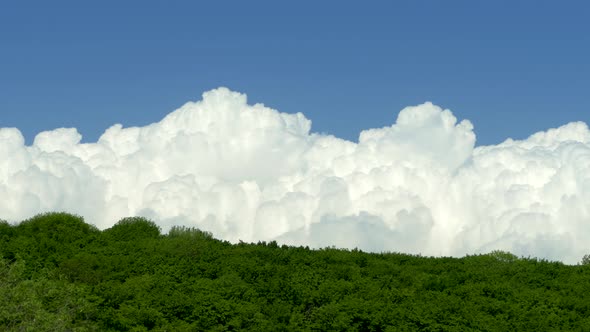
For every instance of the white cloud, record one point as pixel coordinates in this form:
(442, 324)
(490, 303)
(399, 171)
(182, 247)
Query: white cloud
(248, 172)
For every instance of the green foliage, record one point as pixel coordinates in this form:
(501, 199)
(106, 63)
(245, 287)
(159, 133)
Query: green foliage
(585, 260)
(5, 227)
(503, 256)
(6, 232)
(42, 304)
(189, 232)
(134, 228)
(47, 239)
(58, 273)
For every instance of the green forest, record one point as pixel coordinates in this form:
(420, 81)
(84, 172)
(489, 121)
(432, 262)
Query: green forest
(59, 273)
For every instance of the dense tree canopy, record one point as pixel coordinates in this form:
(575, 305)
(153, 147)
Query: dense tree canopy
(59, 273)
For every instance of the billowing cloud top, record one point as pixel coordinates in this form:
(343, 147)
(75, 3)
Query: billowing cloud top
(248, 172)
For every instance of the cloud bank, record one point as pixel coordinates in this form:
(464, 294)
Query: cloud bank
(250, 173)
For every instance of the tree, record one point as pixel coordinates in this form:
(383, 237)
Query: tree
(133, 228)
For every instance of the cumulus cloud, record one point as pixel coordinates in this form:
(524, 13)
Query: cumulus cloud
(248, 172)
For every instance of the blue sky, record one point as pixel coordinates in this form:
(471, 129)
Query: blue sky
(512, 68)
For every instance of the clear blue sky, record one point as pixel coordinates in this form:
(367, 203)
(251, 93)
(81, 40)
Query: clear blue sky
(511, 67)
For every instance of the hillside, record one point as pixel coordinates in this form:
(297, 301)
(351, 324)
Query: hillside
(59, 273)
